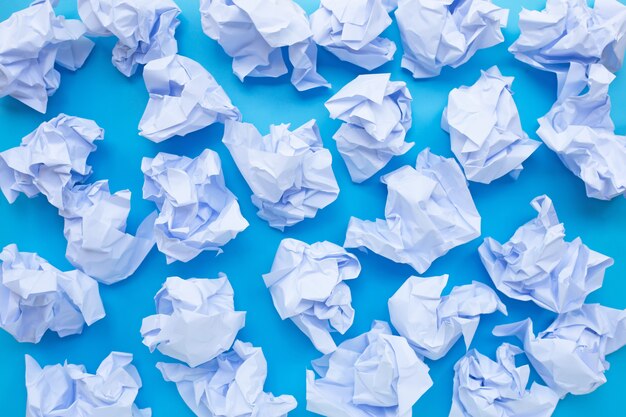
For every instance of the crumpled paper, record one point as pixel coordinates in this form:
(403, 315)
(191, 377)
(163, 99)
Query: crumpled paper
(95, 229)
(50, 159)
(350, 30)
(485, 129)
(538, 265)
(32, 41)
(439, 33)
(429, 210)
(196, 211)
(68, 390)
(144, 28)
(374, 374)
(484, 388)
(290, 173)
(184, 97)
(579, 129)
(432, 324)
(195, 321)
(253, 33)
(570, 354)
(377, 116)
(38, 297)
(569, 31)
(307, 286)
(229, 385)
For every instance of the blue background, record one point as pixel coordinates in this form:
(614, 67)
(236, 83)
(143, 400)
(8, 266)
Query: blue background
(100, 92)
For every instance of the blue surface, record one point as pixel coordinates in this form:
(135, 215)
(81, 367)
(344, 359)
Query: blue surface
(100, 92)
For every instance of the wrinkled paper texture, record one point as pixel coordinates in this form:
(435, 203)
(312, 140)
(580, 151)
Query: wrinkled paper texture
(580, 130)
(68, 390)
(429, 210)
(32, 41)
(52, 160)
(485, 129)
(253, 33)
(569, 31)
(184, 98)
(439, 33)
(484, 388)
(307, 286)
(377, 115)
(229, 385)
(195, 321)
(570, 354)
(432, 324)
(49, 160)
(351, 29)
(95, 229)
(375, 373)
(144, 29)
(290, 172)
(196, 211)
(38, 297)
(538, 265)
